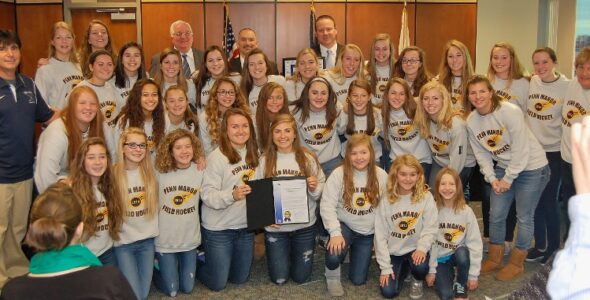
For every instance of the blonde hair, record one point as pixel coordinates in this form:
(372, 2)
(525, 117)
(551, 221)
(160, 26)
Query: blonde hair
(337, 72)
(458, 199)
(146, 171)
(516, 70)
(445, 116)
(372, 63)
(445, 75)
(419, 190)
(63, 25)
(372, 190)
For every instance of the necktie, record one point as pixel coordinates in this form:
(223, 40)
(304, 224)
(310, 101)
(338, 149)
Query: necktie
(185, 67)
(329, 63)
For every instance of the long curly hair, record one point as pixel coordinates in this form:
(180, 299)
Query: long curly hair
(213, 115)
(132, 114)
(304, 157)
(165, 162)
(420, 189)
(372, 190)
(263, 116)
(107, 185)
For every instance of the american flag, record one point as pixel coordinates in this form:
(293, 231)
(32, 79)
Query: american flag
(312, 38)
(229, 40)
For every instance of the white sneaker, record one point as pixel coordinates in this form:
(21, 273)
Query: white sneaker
(416, 289)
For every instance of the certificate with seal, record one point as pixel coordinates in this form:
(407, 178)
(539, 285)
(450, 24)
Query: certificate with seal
(277, 200)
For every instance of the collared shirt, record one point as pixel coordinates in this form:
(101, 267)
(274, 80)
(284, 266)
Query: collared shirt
(17, 127)
(190, 57)
(332, 60)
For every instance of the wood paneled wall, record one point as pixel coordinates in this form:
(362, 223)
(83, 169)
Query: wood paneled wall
(282, 28)
(7, 16)
(34, 24)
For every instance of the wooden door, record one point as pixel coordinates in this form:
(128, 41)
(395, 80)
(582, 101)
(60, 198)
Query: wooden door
(121, 31)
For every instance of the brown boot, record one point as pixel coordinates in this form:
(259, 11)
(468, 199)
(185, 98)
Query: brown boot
(494, 259)
(515, 265)
(259, 248)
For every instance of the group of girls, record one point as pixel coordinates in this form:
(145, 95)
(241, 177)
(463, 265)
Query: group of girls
(381, 111)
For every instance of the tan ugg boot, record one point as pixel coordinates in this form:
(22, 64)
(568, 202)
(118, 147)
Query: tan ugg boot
(494, 260)
(515, 265)
(259, 248)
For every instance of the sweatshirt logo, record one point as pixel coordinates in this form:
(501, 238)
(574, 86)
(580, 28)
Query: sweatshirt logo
(406, 223)
(136, 199)
(575, 111)
(359, 205)
(505, 95)
(437, 144)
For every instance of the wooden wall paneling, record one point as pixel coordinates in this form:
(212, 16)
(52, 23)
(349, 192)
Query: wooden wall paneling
(293, 26)
(214, 24)
(156, 20)
(258, 16)
(34, 23)
(365, 20)
(121, 31)
(436, 23)
(7, 16)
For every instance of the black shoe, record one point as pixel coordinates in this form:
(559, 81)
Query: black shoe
(535, 255)
(460, 290)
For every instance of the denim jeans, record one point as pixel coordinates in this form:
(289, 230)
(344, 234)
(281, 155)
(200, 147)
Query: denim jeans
(445, 273)
(360, 247)
(136, 262)
(228, 257)
(175, 272)
(568, 190)
(108, 258)
(290, 254)
(330, 165)
(526, 189)
(400, 265)
(547, 223)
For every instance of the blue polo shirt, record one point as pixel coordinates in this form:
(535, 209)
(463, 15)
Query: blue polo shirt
(17, 128)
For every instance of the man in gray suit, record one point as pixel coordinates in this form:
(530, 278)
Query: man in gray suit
(182, 40)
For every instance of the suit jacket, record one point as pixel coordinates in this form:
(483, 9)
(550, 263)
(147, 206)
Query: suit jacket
(318, 52)
(155, 66)
(235, 65)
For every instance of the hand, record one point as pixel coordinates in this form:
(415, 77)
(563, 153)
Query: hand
(312, 183)
(66, 180)
(496, 187)
(418, 257)
(241, 191)
(275, 226)
(504, 185)
(336, 244)
(472, 284)
(201, 163)
(430, 279)
(42, 61)
(384, 279)
(581, 155)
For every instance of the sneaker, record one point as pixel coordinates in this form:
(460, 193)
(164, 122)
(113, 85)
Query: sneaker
(460, 291)
(535, 255)
(416, 289)
(335, 288)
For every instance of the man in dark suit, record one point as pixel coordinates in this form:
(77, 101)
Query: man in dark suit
(327, 47)
(182, 40)
(247, 42)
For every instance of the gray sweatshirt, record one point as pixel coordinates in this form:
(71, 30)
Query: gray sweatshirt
(180, 228)
(360, 214)
(101, 241)
(56, 79)
(317, 138)
(405, 138)
(449, 146)
(575, 107)
(360, 124)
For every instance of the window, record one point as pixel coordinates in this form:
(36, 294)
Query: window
(582, 24)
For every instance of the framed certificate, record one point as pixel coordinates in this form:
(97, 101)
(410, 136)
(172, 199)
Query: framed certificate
(277, 200)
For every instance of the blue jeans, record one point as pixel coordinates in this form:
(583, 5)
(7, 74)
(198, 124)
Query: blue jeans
(136, 262)
(360, 247)
(228, 257)
(330, 165)
(445, 273)
(547, 223)
(290, 253)
(108, 258)
(526, 189)
(400, 265)
(568, 190)
(176, 272)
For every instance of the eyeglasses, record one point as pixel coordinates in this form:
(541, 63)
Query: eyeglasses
(135, 145)
(226, 93)
(410, 61)
(185, 34)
